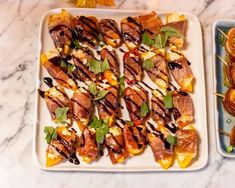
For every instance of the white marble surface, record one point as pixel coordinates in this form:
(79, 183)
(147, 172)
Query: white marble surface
(19, 24)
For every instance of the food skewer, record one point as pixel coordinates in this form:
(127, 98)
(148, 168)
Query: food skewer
(231, 135)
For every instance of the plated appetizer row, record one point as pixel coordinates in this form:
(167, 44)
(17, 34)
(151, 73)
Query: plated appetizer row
(103, 64)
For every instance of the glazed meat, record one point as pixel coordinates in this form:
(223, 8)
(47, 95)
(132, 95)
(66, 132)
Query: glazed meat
(182, 74)
(57, 73)
(115, 144)
(183, 109)
(162, 152)
(55, 98)
(151, 23)
(131, 31)
(159, 73)
(108, 106)
(132, 67)
(87, 147)
(87, 29)
(81, 107)
(110, 32)
(135, 138)
(112, 58)
(80, 59)
(60, 30)
(134, 97)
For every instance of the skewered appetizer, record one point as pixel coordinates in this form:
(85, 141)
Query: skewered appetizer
(229, 45)
(229, 101)
(96, 86)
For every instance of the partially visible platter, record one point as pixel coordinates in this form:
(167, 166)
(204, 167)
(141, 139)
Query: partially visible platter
(223, 87)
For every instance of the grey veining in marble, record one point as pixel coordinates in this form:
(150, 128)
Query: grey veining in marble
(19, 24)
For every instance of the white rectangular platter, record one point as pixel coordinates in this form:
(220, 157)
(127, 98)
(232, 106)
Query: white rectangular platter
(145, 161)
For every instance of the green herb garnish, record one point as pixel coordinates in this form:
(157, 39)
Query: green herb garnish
(50, 132)
(93, 89)
(71, 68)
(101, 94)
(160, 41)
(104, 65)
(144, 109)
(229, 149)
(76, 43)
(101, 127)
(121, 85)
(130, 123)
(167, 100)
(171, 140)
(61, 114)
(171, 32)
(98, 66)
(63, 64)
(146, 39)
(148, 64)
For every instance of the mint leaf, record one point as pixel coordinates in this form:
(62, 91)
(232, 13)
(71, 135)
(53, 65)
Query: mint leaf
(96, 123)
(94, 66)
(101, 95)
(160, 41)
(71, 68)
(50, 132)
(76, 43)
(121, 85)
(61, 114)
(105, 65)
(167, 100)
(146, 39)
(171, 32)
(171, 139)
(144, 109)
(130, 123)
(229, 149)
(148, 64)
(92, 89)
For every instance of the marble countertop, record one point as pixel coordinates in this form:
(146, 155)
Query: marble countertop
(18, 56)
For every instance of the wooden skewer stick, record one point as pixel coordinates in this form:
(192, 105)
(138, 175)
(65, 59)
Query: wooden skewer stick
(224, 133)
(219, 95)
(226, 36)
(222, 60)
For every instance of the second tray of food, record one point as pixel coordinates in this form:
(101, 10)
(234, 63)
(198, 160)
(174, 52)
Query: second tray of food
(120, 91)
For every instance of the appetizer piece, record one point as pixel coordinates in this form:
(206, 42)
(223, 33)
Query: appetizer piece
(134, 138)
(81, 107)
(131, 31)
(151, 23)
(230, 45)
(183, 109)
(159, 113)
(55, 98)
(231, 136)
(87, 147)
(182, 74)
(132, 67)
(179, 23)
(229, 101)
(112, 58)
(80, 59)
(136, 98)
(230, 73)
(110, 32)
(115, 145)
(186, 147)
(87, 29)
(61, 145)
(156, 68)
(60, 30)
(56, 72)
(107, 102)
(162, 150)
